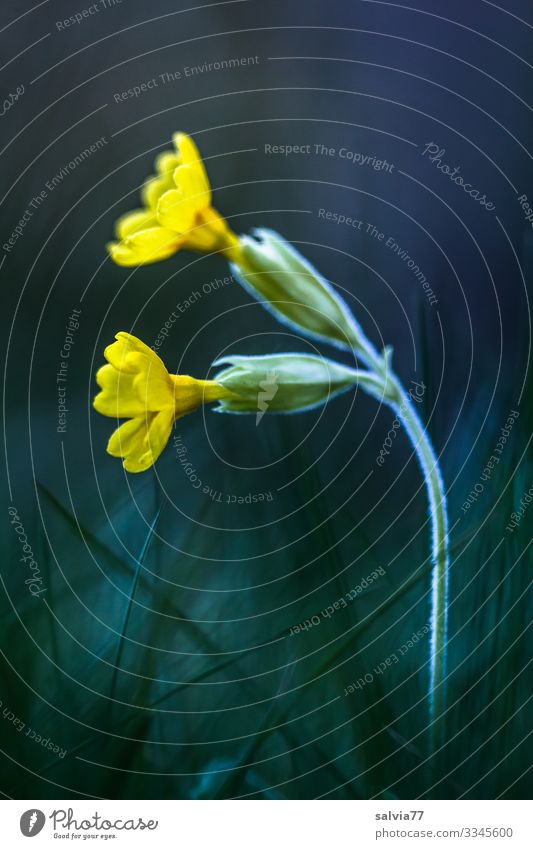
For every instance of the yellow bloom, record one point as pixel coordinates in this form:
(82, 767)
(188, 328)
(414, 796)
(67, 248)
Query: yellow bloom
(136, 385)
(176, 213)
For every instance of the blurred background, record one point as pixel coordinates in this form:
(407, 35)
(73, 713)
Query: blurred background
(157, 659)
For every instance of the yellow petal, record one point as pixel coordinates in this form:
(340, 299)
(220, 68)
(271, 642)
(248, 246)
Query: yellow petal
(177, 211)
(138, 219)
(145, 246)
(119, 398)
(190, 157)
(154, 187)
(152, 383)
(166, 162)
(117, 353)
(129, 437)
(187, 150)
(192, 180)
(157, 430)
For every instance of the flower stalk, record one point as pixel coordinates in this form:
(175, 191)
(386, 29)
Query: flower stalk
(439, 562)
(273, 270)
(400, 401)
(177, 213)
(298, 295)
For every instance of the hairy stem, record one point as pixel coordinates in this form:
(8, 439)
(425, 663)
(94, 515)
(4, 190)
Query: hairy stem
(402, 403)
(439, 559)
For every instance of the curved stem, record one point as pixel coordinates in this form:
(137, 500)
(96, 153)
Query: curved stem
(439, 559)
(402, 403)
(277, 257)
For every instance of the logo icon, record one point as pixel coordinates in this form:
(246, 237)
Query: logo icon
(270, 388)
(32, 822)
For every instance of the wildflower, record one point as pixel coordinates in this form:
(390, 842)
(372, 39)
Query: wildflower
(136, 385)
(176, 212)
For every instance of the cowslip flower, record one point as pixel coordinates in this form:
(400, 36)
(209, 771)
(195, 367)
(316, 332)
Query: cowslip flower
(176, 212)
(136, 385)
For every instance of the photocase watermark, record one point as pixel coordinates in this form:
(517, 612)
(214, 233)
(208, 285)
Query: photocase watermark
(170, 77)
(86, 13)
(389, 242)
(20, 726)
(354, 157)
(32, 822)
(214, 494)
(11, 99)
(27, 215)
(492, 462)
(65, 819)
(66, 825)
(269, 388)
(435, 155)
(389, 662)
(416, 392)
(339, 604)
(35, 581)
(526, 208)
(518, 515)
(340, 219)
(50, 185)
(71, 166)
(182, 306)
(61, 376)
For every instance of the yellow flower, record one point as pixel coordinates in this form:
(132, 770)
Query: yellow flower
(176, 213)
(136, 385)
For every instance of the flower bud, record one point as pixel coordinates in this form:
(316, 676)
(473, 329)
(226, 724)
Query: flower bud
(285, 383)
(273, 271)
